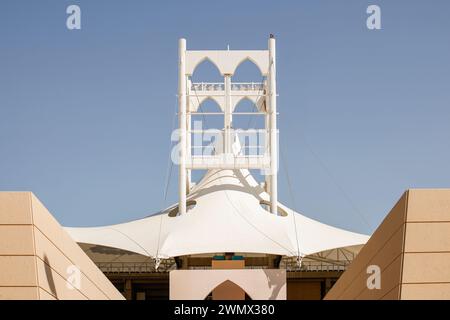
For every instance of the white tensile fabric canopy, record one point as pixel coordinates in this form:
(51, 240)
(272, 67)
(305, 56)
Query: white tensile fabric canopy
(225, 215)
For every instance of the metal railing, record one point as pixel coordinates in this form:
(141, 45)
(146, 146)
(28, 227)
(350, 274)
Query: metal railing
(208, 86)
(314, 266)
(220, 86)
(210, 268)
(135, 267)
(166, 265)
(247, 86)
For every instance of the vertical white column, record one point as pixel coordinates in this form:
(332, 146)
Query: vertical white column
(189, 147)
(227, 116)
(182, 124)
(267, 172)
(273, 128)
(188, 132)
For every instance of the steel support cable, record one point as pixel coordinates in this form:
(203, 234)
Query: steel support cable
(252, 116)
(284, 165)
(335, 182)
(131, 239)
(167, 183)
(293, 203)
(161, 215)
(170, 165)
(198, 101)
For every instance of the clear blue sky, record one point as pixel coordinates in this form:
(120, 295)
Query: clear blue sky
(86, 116)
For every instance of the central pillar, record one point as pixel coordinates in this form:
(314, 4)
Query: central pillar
(227, 116)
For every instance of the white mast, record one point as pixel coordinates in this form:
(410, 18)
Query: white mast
(273, 128)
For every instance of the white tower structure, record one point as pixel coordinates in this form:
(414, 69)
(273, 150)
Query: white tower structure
(227, 208)
(264, 154)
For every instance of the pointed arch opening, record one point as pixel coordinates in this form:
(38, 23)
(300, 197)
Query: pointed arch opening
(247, 71)
(228, 290)
(206, 71)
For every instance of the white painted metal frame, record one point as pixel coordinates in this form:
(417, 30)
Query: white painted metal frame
(227, 95)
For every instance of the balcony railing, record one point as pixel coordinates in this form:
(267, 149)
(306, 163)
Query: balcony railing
(247, 86)
(208, 86)
(313, 266)
(220, 86)
(169, 264)
(135, 267)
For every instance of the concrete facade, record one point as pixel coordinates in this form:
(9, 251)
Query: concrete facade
(39, 260)
(411, 248)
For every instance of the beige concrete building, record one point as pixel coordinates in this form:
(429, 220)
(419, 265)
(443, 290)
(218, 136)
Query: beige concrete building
(411, 248)
(39, 260)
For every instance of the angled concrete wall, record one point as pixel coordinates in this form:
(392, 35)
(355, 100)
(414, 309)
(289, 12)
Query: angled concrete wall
(37, 256)
(411, 248)
(426, 260)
